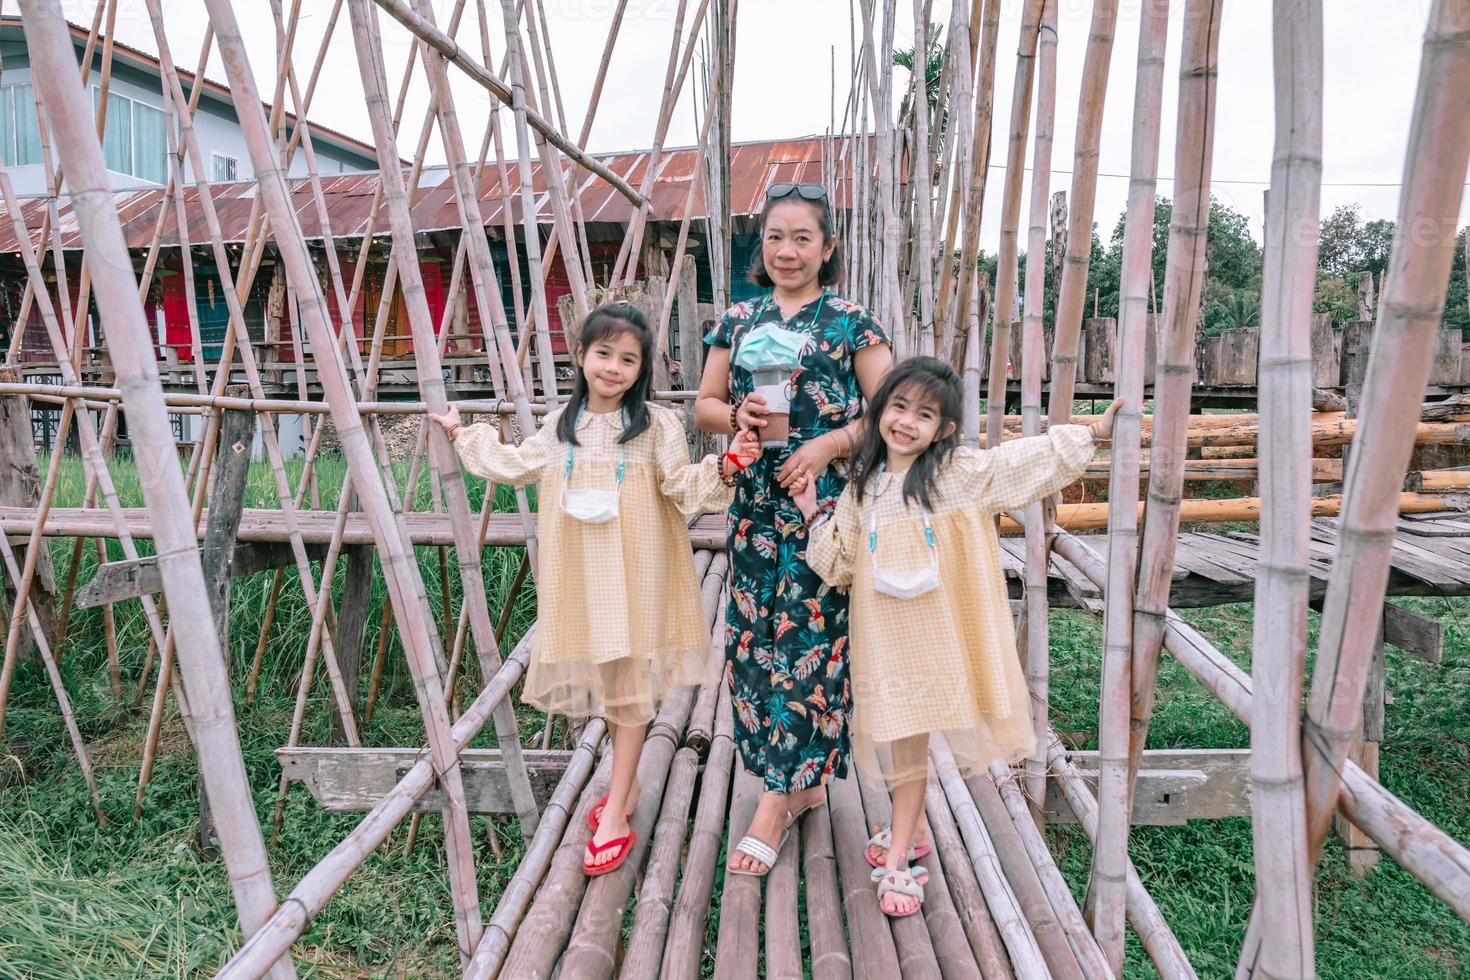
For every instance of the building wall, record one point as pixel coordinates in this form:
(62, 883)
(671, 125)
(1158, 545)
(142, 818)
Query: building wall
(214, 124)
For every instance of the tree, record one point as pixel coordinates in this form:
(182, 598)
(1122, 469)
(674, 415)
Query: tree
(1347, 245)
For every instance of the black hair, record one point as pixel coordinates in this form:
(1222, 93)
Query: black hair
(605, 322)
(930, 378)
(830, 274)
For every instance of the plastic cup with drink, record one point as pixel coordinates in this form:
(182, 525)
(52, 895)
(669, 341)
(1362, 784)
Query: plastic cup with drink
(771, 354)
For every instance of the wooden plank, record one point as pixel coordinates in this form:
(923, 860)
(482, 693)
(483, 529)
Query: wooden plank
(1325, 367)
(118, 580)
(1414, 634)
(829, 958)
(355, 779)
(1175, 786)
(783, 928)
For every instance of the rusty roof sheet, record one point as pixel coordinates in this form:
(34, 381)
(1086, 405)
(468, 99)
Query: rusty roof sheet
(349, 197)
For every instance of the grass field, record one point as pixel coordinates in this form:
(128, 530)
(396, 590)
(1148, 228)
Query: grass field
(134, 900)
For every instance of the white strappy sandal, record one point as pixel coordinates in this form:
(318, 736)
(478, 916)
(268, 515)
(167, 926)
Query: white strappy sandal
(759, 850)
(908, 882)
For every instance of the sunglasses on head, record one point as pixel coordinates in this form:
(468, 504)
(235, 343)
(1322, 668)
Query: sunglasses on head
(808, 192)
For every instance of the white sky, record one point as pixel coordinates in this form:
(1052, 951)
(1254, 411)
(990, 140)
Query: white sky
(783, 82)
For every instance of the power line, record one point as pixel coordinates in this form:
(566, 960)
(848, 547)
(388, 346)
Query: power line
(1225, 180)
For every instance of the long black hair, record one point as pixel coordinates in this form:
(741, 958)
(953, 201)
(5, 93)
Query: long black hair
(926, 378)
(605, 322)
(831, 271)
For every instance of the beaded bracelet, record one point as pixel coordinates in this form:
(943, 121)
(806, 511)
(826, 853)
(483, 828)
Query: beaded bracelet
(735, 415)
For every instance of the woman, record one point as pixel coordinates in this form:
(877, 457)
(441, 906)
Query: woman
(785, 630)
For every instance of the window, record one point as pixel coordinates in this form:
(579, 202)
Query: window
(134, 140)
(20, 139)
(226, 168)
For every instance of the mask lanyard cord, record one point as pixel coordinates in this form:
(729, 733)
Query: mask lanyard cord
(873, 531)
(622, 456)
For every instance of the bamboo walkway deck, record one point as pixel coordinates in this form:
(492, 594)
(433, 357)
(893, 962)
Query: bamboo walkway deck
(995, 903)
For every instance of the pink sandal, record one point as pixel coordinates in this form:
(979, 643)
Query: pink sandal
(626, 845)
(884, 839)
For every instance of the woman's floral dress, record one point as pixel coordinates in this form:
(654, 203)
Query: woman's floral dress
(785, 629)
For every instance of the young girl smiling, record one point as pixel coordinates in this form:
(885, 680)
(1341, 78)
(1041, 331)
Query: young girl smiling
(619, 620)
(932, 647)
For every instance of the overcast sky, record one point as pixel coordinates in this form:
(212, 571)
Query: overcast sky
(785, 53)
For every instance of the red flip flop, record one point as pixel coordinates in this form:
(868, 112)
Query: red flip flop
(594, 816)
(625, 844)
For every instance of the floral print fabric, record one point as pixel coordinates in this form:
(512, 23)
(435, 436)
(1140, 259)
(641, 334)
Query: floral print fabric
(785, 629)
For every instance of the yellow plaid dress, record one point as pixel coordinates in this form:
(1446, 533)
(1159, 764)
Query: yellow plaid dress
(944, 661)
(619, 620)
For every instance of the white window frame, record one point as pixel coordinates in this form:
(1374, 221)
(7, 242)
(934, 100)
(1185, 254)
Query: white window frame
(11, 151)
(214, 161)
(132, 169)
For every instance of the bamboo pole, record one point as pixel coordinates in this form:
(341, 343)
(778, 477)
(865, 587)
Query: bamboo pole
(222, 766)
(531, 233)
(400, 568)
(58, 687)
(1154, 934)
(651, 914)
(880, 77)
(1033, 347)
(1010, 218)
(565, 814)
(969, 903)
(1408, 321)
(685, 944)
(1071, 291)
(431, 384)
(591, 949)
(915, 949)
(1420, 848)
(960, 51)
(1184, 276)
(1058, 893)
(236, 330)
(1110, 854)
(424, 29)
(318, 885)
(1015, 931)
(921, 174)
(1283, 579)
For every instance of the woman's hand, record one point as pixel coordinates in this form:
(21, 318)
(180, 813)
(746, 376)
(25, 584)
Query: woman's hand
(752, 412)
(806, 499)
(1102, 429)
(450, 421)
(806, 464)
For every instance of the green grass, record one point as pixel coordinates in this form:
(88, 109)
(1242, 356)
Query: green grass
(133, 899)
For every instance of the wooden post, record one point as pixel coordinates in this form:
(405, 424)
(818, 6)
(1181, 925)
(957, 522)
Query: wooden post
(351, 619)
(20, 486)
(226, 503)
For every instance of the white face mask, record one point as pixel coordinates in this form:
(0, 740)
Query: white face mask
(590, 506)
(593, 506)
(904, 585)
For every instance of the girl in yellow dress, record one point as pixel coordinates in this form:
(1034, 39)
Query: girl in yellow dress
(619, 620)
(932, 647)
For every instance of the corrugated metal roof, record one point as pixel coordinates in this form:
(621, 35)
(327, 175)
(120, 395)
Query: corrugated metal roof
(753, 167)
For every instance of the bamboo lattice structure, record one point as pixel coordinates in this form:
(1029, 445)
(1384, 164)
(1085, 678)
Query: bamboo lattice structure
(907, 166)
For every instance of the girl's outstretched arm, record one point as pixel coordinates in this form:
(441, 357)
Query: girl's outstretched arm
(697, 487)
(1023, 470)
(483, 454)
